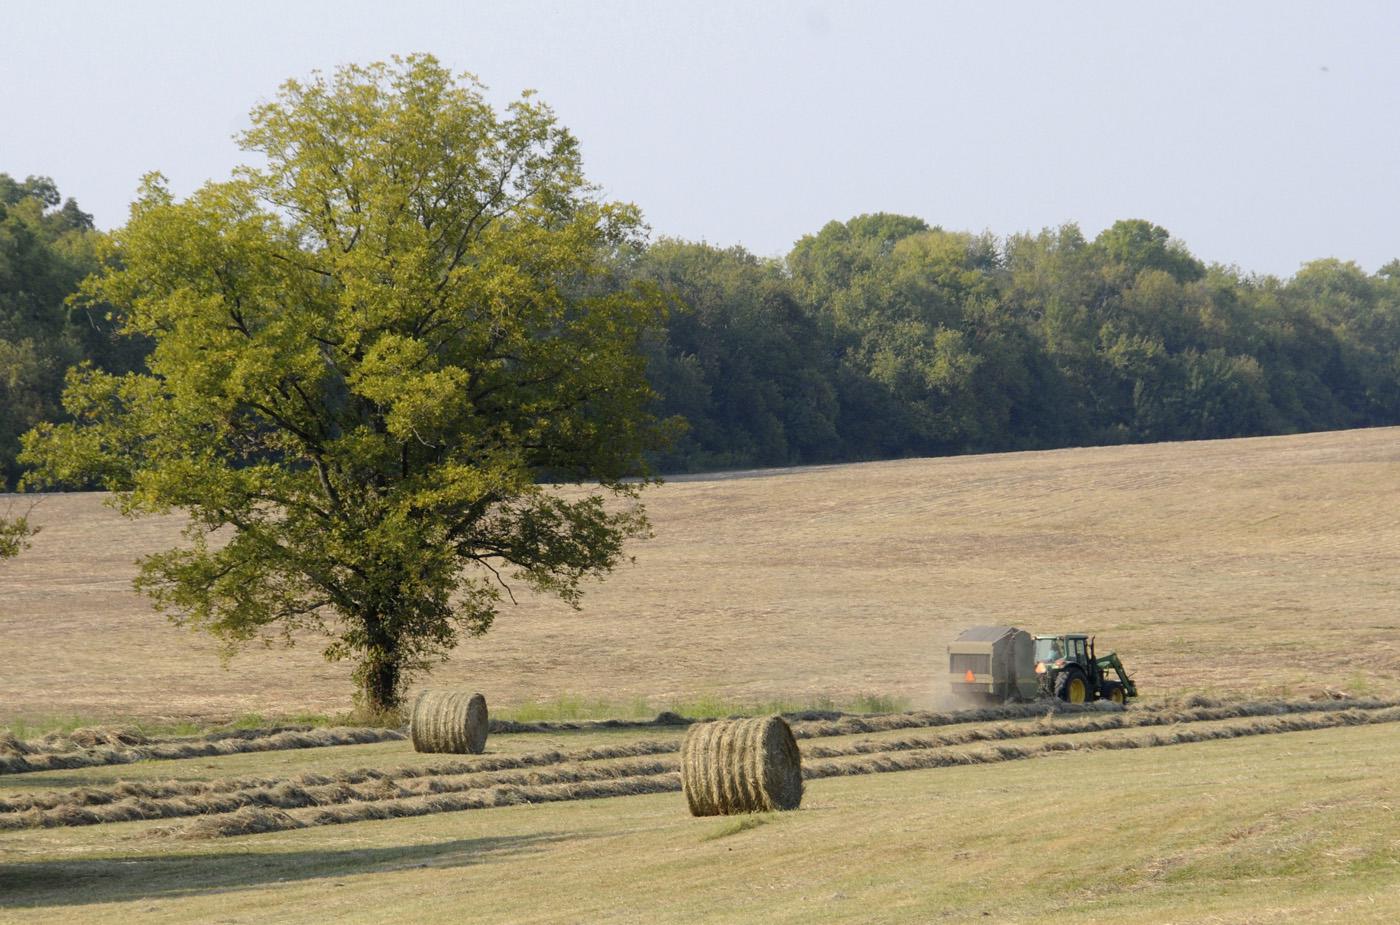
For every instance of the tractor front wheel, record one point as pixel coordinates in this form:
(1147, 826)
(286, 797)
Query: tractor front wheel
(1114, 692)
(1071, 686)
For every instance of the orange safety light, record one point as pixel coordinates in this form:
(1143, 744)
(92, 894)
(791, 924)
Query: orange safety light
(970, 677)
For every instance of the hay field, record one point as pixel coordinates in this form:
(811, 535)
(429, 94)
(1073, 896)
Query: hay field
(1263, 565)
(1097, 814)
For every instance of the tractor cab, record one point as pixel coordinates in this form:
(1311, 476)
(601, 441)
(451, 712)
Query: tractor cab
(1067, 668)
(1059, 651)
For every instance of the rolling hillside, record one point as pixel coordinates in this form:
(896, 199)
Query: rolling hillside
(1264, 565)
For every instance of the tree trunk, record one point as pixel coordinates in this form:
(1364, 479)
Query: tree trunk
(379, 685)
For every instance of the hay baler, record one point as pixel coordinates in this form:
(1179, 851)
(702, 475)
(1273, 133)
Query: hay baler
(1003, 664)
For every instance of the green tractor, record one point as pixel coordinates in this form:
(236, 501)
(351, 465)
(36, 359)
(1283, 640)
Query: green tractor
(1003, 664)
(1070, 671)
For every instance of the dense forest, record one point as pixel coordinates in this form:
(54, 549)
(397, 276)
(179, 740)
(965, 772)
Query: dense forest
(47, 247)
(879, 337)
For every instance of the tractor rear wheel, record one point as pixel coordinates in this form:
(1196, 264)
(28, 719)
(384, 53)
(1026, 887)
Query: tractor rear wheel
(1071, 687)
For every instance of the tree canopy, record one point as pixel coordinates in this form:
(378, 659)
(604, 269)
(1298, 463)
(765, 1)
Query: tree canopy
(360, 360)
(45, 251)
(369, 353)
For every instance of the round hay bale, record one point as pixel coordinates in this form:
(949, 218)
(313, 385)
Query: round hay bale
(449, 721)
(741, 766)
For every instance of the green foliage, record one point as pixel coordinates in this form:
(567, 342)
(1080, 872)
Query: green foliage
(367, 355)
(883, 336)
(1137, 246)
(45, 250)
(14, 535)
(937, 342)
(740, 361)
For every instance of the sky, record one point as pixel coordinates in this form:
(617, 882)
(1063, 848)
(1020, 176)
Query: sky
(1262, 135)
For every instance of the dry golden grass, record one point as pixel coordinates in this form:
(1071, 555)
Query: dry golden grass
(1262, 565)
(725, 767)
(1270, 828)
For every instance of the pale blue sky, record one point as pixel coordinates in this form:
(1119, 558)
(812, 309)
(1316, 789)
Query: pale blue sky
(1262, 134)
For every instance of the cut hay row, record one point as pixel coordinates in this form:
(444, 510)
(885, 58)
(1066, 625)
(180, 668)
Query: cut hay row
(196, 748)
(818, 719)
(813, 724)
(856, 724)
(18, 757)
(664, 718)
(91, 737)
(133, 793)
(288, 795)
(884, 762)
(1052, 725)
(253, 820)
(127, 789)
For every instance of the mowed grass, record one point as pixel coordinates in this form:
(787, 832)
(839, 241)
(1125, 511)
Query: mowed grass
(1255, 566)
(1267, 829)
(1264, 566)
(327, 760)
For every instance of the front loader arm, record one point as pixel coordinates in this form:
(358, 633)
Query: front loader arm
(1112, 661)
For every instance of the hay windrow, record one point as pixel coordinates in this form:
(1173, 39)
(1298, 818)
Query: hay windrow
(291, 795)
(257, 820)
(246, 821)
(194, 748)
(95, 736)
(858, 763)
(92, 796)
(664, 718)
(884, 762)
(18, 756)
(91, 737)
(25, 810)
(449, 721)
(149, 800)
(11, 745)
(1052, 725)
(741, 766)
(854, 724)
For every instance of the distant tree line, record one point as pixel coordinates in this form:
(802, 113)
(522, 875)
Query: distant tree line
(47, 246)
(884, 337)
(878, 337)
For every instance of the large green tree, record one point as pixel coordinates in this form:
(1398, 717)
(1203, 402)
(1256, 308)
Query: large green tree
(374, 353)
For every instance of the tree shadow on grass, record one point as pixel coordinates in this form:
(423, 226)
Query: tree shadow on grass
(165, 876)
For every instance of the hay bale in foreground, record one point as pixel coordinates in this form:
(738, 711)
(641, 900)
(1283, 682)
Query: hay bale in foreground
(741, 766)
(449, 721)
